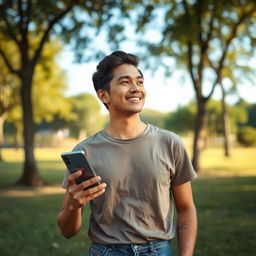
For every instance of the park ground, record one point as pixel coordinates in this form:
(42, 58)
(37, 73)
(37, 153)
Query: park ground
(224, 194)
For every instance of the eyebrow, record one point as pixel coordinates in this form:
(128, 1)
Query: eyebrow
(128, 77)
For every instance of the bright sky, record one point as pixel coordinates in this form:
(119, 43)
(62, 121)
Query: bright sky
(162, 94)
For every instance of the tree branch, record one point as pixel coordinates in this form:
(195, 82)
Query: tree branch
(8, 64)
(185, 5)
(47, 31)
(202, 43)
(225, 51)
(196, 86)
(21, 15)
(190, 68)
(209, 34)
(24, 36)
(9, 27)
(28, 13)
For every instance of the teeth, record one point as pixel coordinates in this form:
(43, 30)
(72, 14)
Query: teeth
(134, 99)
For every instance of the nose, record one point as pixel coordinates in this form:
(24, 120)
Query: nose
(134, 87)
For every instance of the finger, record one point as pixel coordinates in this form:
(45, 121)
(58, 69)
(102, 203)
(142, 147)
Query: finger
(90, 197)
(80, 198)
(73, 176)
(89, 182)
(91, 191)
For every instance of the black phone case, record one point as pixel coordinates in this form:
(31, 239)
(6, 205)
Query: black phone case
(77, 160)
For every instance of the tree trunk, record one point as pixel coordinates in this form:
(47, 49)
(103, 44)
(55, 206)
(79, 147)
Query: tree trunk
(82, 134)
(30, 176)
(2, 120)
(225, 121)
(199, 134)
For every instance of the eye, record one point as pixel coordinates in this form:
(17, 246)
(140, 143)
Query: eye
(124, 82)
(140, 82)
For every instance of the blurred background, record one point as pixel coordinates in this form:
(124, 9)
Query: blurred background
(199, 63)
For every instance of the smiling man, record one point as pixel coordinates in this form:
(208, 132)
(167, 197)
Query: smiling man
(145, 175)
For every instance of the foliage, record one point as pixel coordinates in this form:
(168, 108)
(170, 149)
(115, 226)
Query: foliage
(252, 115)
(237, 115)
(209, 32)
(87, 116)
(50, 85)
(8, 83)
(182, 120)
(204, 37)
(49, 88)
(41, 20)
(246, 135)
(153, 117)
(75, 22)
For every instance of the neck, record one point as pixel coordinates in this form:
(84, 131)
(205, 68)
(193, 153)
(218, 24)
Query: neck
(126, 127)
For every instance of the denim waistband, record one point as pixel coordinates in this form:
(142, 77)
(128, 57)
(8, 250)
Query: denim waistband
(153, 243)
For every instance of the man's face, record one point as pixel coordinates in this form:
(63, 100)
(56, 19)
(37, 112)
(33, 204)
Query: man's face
(127, 92)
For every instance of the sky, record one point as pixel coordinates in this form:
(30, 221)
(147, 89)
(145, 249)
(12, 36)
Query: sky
(163, 94)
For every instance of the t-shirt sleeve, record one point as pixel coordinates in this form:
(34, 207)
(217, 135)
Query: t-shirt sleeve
(184, 170)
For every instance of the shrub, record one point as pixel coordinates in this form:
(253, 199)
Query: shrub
(247, 135)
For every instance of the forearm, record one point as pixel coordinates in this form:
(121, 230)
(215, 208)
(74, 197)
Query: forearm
(69, 221)
(186, 230)
(77, 196)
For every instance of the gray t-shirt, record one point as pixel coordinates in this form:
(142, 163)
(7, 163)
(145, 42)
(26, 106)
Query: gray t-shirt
(138, 205)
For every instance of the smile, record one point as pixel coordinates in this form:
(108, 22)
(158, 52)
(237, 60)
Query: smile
(134, 98)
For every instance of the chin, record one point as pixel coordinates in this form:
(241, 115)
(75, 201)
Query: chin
(134, 111)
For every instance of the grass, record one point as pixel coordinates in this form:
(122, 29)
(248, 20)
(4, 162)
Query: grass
(28, 227)
(227, 214)
(224, 195)
(48, 160)
(241, 163)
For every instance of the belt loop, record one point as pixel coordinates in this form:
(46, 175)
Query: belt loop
(152, 249)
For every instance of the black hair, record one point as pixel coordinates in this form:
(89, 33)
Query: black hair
(102, 77)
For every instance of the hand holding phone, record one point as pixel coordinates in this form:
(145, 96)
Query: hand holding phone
(77, 160)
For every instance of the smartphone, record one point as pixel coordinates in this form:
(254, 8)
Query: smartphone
(77, 160)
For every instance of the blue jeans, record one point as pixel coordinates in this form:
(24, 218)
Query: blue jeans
(156, 247)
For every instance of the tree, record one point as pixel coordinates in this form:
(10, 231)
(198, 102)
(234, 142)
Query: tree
(8, 96)
(48, 93)
(87, 116)
(236, 72)
(199, 34)
(182, 120)
(252, 115)
(20, 19)
(49, 87)
(225, 122)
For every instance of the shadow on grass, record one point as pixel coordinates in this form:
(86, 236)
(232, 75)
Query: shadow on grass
(51, 170)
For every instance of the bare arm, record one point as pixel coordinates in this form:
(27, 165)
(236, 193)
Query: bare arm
(186, 218)
(70, 217)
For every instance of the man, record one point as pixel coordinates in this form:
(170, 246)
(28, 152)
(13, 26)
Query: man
(144, 171)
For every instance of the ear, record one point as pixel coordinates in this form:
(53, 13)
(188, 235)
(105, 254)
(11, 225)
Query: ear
(103, 96)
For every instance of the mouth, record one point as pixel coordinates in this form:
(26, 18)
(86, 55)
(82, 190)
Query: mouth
(134, 98)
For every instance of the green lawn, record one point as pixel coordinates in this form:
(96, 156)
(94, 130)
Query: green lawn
(224, 196)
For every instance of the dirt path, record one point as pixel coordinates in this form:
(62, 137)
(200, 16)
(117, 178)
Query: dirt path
(30, 192)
